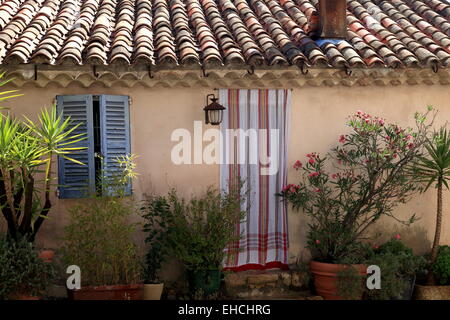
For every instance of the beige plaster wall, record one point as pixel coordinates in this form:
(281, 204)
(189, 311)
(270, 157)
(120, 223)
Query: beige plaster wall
(318, 118)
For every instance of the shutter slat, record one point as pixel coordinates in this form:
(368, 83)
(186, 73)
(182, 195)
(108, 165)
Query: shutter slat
(76, 181)
(115, 128)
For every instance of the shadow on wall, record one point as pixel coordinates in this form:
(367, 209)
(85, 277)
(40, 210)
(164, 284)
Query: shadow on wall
(414, 236)
(298, 229)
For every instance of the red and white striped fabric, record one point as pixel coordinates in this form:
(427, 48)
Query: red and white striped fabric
(264, 242)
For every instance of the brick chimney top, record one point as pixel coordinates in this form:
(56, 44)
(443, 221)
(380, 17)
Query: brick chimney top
(330, 21)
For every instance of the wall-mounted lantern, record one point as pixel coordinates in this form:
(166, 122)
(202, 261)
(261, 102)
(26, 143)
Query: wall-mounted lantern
(213, 111)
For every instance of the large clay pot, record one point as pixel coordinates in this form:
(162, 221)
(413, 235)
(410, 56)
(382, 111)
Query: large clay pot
(326, 278)
(116, 292)
(153, 291)
(47, 255)
(431, 292)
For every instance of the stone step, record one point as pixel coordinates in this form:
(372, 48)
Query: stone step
(269, 284)
(304, 295)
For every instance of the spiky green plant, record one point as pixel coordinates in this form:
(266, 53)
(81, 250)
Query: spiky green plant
(9, 94)
(434, 170)
(28, 148)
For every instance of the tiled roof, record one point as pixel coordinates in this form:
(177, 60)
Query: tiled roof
(380, 33)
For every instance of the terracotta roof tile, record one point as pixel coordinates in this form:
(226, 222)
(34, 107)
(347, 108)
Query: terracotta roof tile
(380, 33)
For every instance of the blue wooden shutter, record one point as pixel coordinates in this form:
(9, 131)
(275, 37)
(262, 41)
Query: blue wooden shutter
(77, 181)
(115, 129)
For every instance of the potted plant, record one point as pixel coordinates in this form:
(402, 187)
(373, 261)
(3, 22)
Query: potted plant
(156, 212)
(399, 267)
(98, 239)
(23, 275)
(441, 275)
(362, 179)
(433, 169)
(47, 255)
(199, 231)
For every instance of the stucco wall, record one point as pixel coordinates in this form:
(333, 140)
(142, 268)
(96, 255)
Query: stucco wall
(318, 118)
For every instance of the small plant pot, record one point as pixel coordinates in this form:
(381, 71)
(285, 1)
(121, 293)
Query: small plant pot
(153, 291)
(326, 278)
(408, 292)
(208, 281)
(431, 292)
(47, 255)
(115, 292)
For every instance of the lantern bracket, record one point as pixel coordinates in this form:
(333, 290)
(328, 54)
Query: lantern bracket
(207, 97)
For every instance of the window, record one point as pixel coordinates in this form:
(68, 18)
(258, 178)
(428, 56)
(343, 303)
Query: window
(105, 121)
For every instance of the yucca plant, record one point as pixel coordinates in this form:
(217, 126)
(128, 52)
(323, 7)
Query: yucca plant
(434, 170)
(9, 94)
(27, 149)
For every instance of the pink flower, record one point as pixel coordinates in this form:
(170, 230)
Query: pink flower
(317, 190)
(397, 236)
(311, 160)
(342, 138)
(410, 145)
(297, 165)
(375, 246)
(317, 241)
(334, 176)
(313, 174)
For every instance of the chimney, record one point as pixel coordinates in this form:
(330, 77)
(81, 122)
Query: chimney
(332, 19)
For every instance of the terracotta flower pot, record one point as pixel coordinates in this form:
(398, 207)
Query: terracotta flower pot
(47, 255)
(431, 292)
(114, 292)
(153, 291)
(326, 278)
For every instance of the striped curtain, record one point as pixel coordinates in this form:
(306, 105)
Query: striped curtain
(264, 232)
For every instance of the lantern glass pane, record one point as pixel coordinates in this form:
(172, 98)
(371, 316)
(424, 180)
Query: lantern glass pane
(215, 116)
